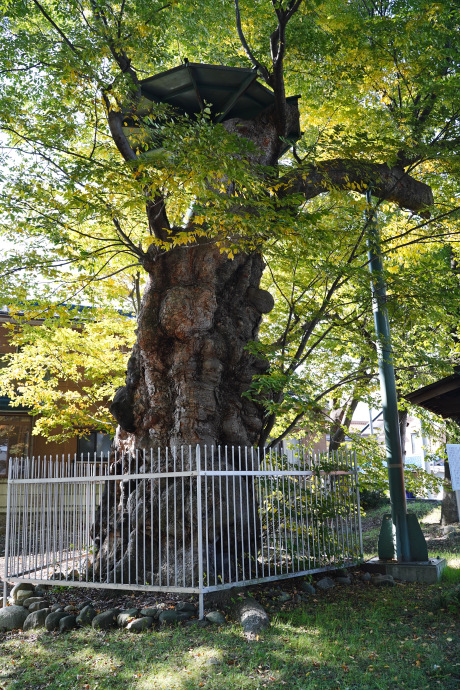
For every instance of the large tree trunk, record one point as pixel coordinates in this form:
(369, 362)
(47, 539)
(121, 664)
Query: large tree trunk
(189, 367)
(185, 383)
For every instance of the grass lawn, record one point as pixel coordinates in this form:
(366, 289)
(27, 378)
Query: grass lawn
(357, 636)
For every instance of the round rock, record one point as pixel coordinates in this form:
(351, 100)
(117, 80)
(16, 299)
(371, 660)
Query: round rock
(86, 615)
(185, 606)
(37, 605)
(307, 588)
(283, 597)
(21, 596)
(22, 587)
(67, 623)
(342, 580)
(127, 616)
(198, 623)
(151, 612)
(173, 616)
(140, 624)
(33, 600)
(105, 620)
(53, 618)
(36, 619)
(325, 583)
(216, 617)
(213, 661)
(12, 617)
(252, 616)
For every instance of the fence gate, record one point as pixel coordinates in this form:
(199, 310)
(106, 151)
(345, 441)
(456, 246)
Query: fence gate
(191, 519)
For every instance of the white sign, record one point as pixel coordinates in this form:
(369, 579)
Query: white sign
(453, 455)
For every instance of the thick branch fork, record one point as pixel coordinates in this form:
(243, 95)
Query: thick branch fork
(389, 184)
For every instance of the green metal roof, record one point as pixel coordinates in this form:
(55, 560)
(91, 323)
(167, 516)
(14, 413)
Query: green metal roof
(228, 91)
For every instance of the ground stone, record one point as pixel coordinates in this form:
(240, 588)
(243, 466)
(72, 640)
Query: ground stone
(67, 623)
(216, 617)
(185, 606)
(325, 583)
(284, 596)
(21, 597)
(343, 580)
(105, 620)
(307, 588)
(32, 600)
(81, 605)
(12, 617)
(86, 615)
(151, 612)
(173, 616)
(37, 605)
(41, 590)
(56, 607)
(140, 624)
(127, 616)
(304, 597)
(22, 587)
(213, 661)
(365, 577)
(252, 616)
(53, 618)
(203, 623)
(36, 619)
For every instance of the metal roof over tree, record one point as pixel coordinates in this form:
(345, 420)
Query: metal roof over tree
(228, 92)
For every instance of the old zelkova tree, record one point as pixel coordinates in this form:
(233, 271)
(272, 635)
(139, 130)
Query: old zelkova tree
(105, 179)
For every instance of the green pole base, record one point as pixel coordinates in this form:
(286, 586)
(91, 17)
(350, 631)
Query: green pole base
(386, 544)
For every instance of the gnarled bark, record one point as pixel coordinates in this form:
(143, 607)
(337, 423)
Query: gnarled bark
(185, 381)
(189, 367)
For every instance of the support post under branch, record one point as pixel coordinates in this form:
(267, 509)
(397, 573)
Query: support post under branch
(399, 533)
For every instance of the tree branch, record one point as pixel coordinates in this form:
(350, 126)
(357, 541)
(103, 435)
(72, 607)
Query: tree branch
(57, 28)
(115, 121)
(389, 184)
(263, 70)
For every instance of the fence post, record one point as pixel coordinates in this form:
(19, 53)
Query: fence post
(358, 506)
(7, 536)
(200, 532)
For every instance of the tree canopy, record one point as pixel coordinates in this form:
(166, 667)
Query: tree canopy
(86, 208)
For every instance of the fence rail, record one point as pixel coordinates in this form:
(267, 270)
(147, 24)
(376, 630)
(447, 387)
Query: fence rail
(192, 519)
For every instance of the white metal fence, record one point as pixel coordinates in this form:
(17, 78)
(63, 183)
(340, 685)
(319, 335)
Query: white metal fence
(192, 520)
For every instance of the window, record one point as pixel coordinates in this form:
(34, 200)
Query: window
(413, 441)
(15, 433)
(95, 442)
